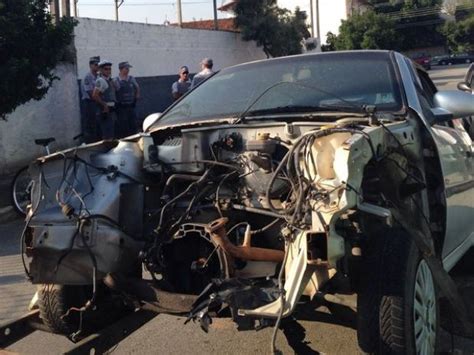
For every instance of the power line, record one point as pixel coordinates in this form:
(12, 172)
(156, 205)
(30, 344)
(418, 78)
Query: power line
(422, 12)
(145, 4)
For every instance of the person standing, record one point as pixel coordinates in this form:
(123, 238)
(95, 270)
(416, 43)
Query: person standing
(128, 92)
(89, 106)
(105, 95)
(182, 86)
(206, 72)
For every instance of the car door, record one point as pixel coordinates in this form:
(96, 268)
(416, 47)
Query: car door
(456, 150)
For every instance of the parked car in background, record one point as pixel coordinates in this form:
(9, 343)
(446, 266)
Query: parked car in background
(461, 58)
(424, 60)
(436, 60)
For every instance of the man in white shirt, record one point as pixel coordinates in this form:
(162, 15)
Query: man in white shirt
(206, 72)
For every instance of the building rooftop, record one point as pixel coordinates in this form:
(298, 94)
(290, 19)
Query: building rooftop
(226, 24)
(228, 6)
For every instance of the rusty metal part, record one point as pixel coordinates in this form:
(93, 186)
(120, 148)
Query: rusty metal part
(216, 230)
(156, 299)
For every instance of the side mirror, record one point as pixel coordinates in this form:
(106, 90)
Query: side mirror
(464, 86)
(441, 115)
(149, 120)
(458, 104)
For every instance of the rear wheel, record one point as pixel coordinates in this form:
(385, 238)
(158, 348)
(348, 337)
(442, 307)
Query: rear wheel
(21, 190)
(397, 306)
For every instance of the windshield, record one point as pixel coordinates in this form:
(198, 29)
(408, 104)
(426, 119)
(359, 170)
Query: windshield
(306, 83)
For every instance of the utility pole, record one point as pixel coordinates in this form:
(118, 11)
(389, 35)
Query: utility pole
(317, 20)
(54, 10)
(118, 3)
(311, 14)
(75, 7)
(66, 8)
(180, 14)
(215, 15)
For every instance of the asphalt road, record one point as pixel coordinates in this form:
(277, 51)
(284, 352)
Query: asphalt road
(447, 77)
(312, 330)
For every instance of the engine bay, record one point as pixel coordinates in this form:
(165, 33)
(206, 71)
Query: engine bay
(246, 216)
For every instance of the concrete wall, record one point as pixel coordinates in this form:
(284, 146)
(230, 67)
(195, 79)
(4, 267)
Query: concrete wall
(156, 50)
(56, 115)
(156, 53)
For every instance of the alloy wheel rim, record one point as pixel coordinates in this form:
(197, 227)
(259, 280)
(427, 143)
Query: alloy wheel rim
(424, 310)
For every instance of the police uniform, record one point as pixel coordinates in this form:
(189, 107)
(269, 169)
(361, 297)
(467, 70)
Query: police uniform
(126, 103)
(107, 120)
(89, 106)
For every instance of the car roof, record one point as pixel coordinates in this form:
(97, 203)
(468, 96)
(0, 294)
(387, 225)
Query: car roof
(289, 58)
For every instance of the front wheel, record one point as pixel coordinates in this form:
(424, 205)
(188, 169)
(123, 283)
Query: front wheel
(21, 190)
(59, 305)
(54, 303)
(398, 310)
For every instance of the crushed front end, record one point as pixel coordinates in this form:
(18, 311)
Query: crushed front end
(246, 218)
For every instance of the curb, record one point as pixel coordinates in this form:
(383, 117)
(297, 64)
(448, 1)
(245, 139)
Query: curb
(7, 214)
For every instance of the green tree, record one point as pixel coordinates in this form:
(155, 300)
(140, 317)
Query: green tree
(460, 35)
(367, 31)
(277, 30)
(30, 48)
(330, 45)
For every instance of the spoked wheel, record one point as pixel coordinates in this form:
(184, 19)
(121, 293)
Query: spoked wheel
(424, 310)
(21, 190)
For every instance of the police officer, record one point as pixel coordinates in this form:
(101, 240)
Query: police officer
(105, 95)
(89, 106)
(128, 92)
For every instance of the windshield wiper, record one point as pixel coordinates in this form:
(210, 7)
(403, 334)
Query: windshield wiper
(286, 109)
(241, 116)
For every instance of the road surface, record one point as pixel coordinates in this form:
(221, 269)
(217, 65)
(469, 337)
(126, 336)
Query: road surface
(312, 331)
(447, 77)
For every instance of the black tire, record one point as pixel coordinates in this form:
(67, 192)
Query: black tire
(21, 191)
(385, 321)
(54, 301)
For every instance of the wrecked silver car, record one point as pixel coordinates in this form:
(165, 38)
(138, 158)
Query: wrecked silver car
(271, 183)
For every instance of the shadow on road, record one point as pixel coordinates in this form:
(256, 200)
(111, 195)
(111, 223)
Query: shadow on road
(295, 333)
(10, 234)
(340, 315)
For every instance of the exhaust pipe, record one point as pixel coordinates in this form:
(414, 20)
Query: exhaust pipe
(216, 230)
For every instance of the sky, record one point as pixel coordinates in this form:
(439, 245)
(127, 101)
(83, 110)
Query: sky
(159, 11)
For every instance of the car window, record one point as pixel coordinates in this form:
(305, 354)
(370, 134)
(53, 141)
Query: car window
(298, 81)
(427, 86)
